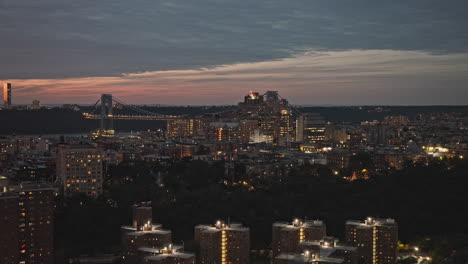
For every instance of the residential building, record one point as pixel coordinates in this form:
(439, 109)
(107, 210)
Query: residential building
(288, 236)
(79, 169)
(142, 233)
(223, 243)
(376, 239)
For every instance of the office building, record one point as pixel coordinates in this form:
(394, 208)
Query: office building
(310, 128)
(286, 122)
(7, 95)
(288, 236)
(26, 224)
(223, 243)
(142, 233)
(375, 239)
(79, 169)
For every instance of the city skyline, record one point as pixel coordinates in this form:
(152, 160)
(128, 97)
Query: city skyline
(233, 132)
(315, 53)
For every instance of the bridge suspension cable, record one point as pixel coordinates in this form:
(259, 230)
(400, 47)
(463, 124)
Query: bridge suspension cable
(138, 109)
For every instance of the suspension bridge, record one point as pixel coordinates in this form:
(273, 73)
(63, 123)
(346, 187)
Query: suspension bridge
(106, 113)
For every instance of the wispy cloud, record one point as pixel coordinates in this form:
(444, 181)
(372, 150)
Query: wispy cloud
(333, 77)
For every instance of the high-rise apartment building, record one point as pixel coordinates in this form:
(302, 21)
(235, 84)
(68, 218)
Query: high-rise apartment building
(26, 224)
(79, 169)
(375, 239)
(9, 221)
(310, 128)
(142, 234)
(223, 243)
(7, 95)
(288, 236)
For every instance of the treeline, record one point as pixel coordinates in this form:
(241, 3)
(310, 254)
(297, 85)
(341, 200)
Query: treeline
(426, 201)
(63, 120)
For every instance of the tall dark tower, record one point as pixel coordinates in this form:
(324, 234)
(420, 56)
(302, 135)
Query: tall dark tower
(7, 95)
(106, 113)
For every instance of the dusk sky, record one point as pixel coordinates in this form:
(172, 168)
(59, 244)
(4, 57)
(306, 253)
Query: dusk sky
(314, 52)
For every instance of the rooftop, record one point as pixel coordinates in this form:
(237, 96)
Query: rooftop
(155, 229)
(220, 225)
(297, 223)
(170, 255)
(370, 222)
(308, 257)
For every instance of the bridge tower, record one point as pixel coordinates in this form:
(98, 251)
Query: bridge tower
(107, 123)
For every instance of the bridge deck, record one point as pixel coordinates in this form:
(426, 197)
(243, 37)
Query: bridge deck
(132, 117)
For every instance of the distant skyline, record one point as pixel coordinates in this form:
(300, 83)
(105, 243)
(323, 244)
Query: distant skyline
(212, 52)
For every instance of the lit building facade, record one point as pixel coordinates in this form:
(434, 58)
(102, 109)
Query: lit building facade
(375, 239)
(184, 127)
(286, 122)
(79, 168)
(265, 118)
(310, 128)
(26, 224)
(224, 131)
(288, 236)
(223, 243)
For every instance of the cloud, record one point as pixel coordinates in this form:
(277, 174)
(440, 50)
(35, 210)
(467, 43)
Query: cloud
(352, 77)
(86, 38)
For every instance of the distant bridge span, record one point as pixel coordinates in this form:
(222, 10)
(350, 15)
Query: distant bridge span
(104, 112)
(132, 117)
